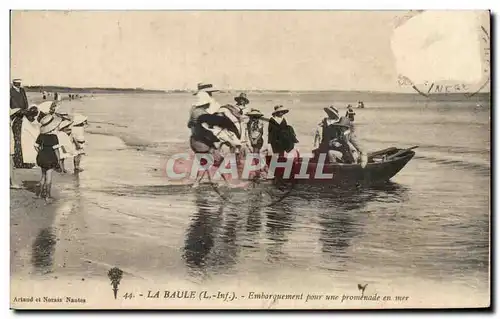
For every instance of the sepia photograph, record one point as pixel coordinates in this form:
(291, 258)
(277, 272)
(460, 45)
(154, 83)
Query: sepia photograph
(231, 159)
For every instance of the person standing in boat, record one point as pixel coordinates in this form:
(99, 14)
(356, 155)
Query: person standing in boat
(333, 135)
(255, 130)
(281, 136)
(350, 113)
(241, 103)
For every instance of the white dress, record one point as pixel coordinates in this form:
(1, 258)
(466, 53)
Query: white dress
(29, 134)
(67, 149)
(78, 137)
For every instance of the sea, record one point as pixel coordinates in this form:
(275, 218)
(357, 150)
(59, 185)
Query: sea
(426, 233)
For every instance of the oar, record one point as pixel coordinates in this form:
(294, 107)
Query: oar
(400, 152)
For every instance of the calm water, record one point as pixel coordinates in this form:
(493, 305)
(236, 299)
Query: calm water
(431, 224)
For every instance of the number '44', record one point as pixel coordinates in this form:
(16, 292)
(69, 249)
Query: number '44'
(128, 295)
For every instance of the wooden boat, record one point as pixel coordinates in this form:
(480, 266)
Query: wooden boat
(381, 167)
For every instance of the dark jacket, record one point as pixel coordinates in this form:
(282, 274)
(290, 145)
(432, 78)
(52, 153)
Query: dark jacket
(18, 99)
(281, 136)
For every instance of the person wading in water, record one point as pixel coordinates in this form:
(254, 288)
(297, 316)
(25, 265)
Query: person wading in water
(208, 129)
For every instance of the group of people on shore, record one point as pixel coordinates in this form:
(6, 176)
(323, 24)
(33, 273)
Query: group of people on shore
(41, 136)
(213, 126)
(57, 96)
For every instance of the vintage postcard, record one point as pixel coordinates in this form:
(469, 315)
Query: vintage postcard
(250, 159)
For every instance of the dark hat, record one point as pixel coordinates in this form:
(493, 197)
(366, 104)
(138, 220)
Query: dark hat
(332, 112)
(242, 97)
(255, 113)
(206, 87)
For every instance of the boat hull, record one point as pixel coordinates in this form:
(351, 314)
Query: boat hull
(311, 171)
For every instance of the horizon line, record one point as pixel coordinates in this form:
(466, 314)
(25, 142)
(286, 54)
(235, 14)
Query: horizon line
(38, 86)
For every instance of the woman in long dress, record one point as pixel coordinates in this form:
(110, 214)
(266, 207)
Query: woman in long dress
(25, 133)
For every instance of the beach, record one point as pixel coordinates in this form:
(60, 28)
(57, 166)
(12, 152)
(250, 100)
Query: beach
(426, 234)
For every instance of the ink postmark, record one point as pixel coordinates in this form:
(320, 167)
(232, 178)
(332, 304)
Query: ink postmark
(430, 86)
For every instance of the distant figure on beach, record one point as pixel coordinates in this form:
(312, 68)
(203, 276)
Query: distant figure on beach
(13, 183)
(78, 137)
(44, 95)
(48, 158)
(255, 130)
(281, 136)
(56, 96)
(361, 105)
(350, 113)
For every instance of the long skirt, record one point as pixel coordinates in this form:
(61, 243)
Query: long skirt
(24, 157)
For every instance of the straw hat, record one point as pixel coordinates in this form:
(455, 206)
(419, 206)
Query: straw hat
(206, 87)
(79, 119)
(49, 123)
(255, 113)
(280, 109)
(242, 97)
(332, 112)
(16, 80)
(65, 123)
(44, 107)
(14, 111)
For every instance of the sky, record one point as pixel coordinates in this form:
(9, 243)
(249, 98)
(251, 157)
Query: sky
(293, 50)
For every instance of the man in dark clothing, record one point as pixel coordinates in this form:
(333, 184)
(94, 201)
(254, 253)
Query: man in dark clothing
(18, 98)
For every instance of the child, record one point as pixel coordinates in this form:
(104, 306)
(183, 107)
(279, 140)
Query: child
(13, 185)
(48, 158)
(67, 149)
(78, 137)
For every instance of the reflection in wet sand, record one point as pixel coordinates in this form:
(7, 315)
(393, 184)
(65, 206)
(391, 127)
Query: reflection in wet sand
(253, 223)
(42, 255)
(200, 237)
(219, 231)
(280, 219)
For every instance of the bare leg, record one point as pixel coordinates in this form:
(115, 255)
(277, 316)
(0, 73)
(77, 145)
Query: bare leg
(42, 192)
(48, 184)
(63, 169)
(198, 179)
(76, 162)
